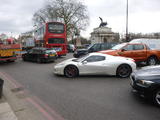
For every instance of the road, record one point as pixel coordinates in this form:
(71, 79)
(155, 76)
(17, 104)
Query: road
(84, 97)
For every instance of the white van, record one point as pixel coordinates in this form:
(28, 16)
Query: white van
(153, 44)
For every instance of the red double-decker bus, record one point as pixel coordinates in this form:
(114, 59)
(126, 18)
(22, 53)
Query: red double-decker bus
(52, 35)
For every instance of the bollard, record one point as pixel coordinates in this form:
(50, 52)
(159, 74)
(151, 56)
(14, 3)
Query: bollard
(1, 87)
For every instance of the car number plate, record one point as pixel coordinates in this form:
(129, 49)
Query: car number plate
(52, 55)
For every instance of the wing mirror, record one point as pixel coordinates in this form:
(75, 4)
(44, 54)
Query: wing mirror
(84, 62)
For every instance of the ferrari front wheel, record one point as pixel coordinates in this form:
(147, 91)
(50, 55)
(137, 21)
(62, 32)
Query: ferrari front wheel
(71, 71)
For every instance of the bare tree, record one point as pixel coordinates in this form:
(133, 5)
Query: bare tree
(73, 13)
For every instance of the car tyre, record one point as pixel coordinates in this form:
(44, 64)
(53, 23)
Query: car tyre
(71, 71)
(152, 61)
(39, 60)
(156, 97)
(124, 71)
(10, 60)
(24, 59)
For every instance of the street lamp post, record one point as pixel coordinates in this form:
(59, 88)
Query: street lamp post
(127, 37)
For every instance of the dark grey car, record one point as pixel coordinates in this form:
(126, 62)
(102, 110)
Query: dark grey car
(93, 48)
(40, 55)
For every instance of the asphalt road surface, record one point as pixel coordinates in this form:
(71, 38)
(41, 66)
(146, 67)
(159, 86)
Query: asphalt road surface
(84, 97)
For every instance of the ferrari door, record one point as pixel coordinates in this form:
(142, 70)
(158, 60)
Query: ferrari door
(92, 65)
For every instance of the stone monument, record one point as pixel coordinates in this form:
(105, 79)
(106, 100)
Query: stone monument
(103, 34)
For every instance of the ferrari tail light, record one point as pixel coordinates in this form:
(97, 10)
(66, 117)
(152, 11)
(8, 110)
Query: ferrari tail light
(133, 60)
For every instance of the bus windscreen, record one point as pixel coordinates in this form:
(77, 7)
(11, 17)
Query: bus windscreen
(56, 28)
(56, 41)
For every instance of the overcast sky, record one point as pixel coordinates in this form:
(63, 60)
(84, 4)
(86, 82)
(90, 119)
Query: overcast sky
(144, 15)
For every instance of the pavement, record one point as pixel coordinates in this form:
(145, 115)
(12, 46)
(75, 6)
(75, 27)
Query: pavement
(17, 104)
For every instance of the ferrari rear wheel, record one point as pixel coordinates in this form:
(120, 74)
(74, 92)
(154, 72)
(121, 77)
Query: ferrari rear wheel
(124, 71)
(71, 71)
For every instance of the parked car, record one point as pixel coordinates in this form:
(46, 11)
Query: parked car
(93, 48)
(137, 51)
(146, 82)
(96, 64)
(40, 55)
(86, 45)
(71, 48)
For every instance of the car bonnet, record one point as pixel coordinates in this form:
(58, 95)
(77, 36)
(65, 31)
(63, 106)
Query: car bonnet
(151, 72)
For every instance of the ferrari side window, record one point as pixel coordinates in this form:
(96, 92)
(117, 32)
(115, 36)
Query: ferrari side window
(95, 58)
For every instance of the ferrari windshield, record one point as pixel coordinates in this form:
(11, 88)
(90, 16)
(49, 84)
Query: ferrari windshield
(119, 46)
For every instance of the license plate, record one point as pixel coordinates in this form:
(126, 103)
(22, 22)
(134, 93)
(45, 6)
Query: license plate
(52, 55)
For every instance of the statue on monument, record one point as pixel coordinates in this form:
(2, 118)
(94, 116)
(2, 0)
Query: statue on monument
(102, 24)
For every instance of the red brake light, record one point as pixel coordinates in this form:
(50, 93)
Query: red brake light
(45, 55)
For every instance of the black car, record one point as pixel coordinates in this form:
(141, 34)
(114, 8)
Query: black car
(40, 55)
(71, 48)
(93, 48)
(146, 82)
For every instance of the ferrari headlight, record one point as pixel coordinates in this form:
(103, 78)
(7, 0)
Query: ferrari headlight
(145, 83)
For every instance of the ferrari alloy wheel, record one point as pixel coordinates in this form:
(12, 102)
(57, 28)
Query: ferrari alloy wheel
(156, 97)
(124, 71)
(71, 71)
(152, 61)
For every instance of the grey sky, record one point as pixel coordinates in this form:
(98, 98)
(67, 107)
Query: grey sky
(144, 15)
(16, 15)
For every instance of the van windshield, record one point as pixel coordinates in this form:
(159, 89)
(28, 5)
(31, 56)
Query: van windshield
(119, 46)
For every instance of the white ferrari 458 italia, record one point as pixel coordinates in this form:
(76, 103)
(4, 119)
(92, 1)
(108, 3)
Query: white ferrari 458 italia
(96, 64)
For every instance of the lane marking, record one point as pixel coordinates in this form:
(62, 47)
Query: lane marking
(6, 78)
(49, 117)
(33, 101)
(52, 111)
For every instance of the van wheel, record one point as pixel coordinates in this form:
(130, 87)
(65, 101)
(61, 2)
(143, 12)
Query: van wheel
(152, 61)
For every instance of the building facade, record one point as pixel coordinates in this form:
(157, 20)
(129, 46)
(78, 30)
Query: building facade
(104, 34)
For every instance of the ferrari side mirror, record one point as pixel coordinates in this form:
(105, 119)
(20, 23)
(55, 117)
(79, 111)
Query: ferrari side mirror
(84, 62)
